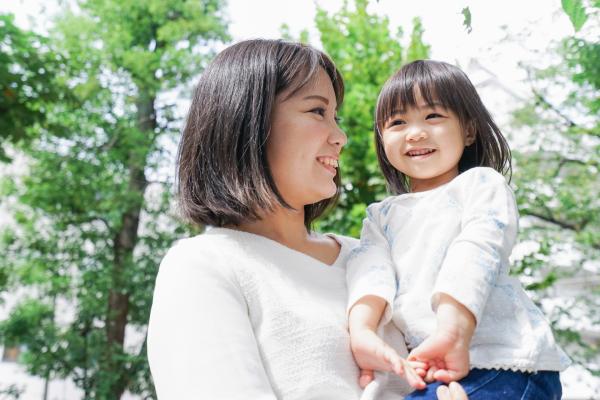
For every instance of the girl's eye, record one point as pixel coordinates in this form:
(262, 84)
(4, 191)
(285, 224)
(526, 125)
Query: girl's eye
(396, 122)
(337, 119)
(433, 115)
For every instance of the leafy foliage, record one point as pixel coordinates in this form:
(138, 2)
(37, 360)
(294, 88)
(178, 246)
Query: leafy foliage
(557, 177)
(576, 12)
(92, 219)
(27, 69)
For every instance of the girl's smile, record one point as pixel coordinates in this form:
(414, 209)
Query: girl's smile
(425, 143)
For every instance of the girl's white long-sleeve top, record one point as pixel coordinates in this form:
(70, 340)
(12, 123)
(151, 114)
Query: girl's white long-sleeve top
(239, 316)
(455, 239)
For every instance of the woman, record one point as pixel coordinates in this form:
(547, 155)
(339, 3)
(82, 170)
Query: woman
(255, 307)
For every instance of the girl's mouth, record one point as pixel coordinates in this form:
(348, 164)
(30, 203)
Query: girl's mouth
(420, 153)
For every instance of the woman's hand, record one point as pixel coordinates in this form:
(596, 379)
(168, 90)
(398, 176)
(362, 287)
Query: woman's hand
(451, 392)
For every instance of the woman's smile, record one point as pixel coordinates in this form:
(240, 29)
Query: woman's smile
(329, 163)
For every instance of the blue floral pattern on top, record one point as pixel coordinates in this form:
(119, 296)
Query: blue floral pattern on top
(456, 240)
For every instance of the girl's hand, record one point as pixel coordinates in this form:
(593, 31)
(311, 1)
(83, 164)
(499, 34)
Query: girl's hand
(372, 353)
(446, 351)
(446, 355)
(451, 392)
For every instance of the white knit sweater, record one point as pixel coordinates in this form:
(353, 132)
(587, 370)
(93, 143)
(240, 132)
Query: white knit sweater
(239, 316)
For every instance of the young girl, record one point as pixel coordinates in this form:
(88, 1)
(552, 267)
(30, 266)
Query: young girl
(434, 258)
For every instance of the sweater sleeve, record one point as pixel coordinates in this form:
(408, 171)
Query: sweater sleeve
(200, 341)
(370, 270)
(481, 250)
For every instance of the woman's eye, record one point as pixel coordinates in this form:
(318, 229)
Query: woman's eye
(337, 119)
(320, 111)
(433, 115)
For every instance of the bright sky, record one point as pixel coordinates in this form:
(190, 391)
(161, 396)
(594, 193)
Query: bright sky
(537, 22)
(533, 23)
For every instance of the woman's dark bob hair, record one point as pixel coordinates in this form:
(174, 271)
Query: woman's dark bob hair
(446, 84)
(223, 177)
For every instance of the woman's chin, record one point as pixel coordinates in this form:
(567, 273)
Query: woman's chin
(326, 193)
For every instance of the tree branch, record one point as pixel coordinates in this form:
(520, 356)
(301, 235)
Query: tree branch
(552, 220)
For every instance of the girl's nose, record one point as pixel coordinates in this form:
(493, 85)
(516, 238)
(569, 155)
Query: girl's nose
(416, 134)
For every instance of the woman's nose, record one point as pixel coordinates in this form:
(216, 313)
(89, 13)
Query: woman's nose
(338, 137)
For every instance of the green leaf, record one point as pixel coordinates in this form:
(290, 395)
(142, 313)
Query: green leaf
(466, 12)
(576, 12)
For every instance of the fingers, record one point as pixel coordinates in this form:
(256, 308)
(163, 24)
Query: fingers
(443, 393)
(366, 376)
(447, 376)
(429, 377)
(394, 360)
(452, 392)
(416, 364)
(457, 392)
(420, 367)
(412, 377)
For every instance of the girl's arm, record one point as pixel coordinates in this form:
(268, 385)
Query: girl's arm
(200, 341)
(370, 271)
(480, 251)
(372, 287)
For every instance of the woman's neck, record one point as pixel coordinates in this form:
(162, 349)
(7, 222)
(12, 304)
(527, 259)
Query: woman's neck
(283, 225)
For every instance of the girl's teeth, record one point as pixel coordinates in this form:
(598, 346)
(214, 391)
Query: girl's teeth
(419, 152)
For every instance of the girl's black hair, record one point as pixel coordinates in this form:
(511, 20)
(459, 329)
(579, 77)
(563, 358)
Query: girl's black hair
(440, 82)
(223, 177)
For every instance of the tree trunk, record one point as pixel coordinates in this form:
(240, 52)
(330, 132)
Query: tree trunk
(124, 245)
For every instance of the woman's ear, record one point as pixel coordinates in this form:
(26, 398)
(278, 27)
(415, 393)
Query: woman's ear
(471, 133)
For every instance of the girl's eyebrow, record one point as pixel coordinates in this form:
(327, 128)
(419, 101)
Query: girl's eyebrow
(435, 104)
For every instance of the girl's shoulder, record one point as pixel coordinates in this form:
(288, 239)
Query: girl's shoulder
(378, 208)
(480, 175)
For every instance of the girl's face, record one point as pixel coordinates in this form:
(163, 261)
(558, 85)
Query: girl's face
(425, 143)
(304, 144)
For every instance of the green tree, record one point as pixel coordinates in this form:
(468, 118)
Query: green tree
(27, 66)
(557, 180)
(92, 220)
(367, 53)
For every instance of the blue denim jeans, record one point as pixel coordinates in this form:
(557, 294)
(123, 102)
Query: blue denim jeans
(492, 384)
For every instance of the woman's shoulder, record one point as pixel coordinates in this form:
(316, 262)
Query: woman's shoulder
(197, 255)
(345, 241)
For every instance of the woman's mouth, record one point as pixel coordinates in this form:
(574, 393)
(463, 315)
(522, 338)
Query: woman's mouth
(329, 163)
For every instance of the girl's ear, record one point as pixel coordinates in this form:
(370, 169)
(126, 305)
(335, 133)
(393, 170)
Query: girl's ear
(471, 133)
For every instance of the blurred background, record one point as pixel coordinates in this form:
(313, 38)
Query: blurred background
(93, 94)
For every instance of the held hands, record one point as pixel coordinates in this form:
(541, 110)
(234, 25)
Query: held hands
(372, 353)
(446, 351)
(446, 354)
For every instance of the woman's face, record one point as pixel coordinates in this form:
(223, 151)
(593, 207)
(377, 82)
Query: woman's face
(304, 144)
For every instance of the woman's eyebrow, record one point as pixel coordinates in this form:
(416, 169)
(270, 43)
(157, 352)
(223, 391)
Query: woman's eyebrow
(317, 97)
